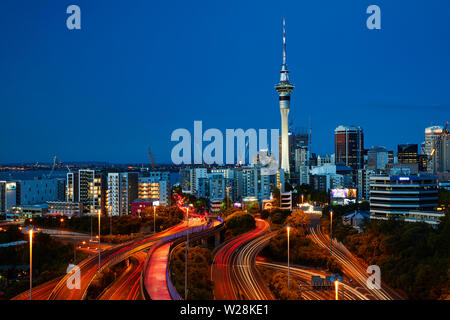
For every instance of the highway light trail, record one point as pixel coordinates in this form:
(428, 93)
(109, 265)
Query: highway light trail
(303, 276)
(353, 267)
(115, 254)
(233, 272)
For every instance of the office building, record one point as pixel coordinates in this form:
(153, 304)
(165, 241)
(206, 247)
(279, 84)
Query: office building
(39, 191)
(431, 148)
(65, 208)
(410, 198)
(325, 159)
(377, 158)
(363, 185)
(408, 153)
(9, 196)
(349, 146)
(331, 176)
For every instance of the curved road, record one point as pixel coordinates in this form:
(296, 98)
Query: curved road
(353, 267)
(126, 287)
(115, 254)
(234, 272)
(303, 276)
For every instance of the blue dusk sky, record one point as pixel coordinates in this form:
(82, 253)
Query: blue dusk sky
(137, 70)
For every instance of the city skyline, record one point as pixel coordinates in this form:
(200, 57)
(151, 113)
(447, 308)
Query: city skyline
(353, 75)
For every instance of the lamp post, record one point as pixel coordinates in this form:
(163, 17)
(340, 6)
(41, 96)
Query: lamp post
(302, 199)
(99, 248)
(228, 196)
(289, 269)
(336, 289)
(186, 254)
(31, 262)
(110, 220)
(154, 219)
(331, 232)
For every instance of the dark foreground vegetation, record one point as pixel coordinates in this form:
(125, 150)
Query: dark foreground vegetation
(414, 258)
(123, 225)
(50, 260)
(199, 262)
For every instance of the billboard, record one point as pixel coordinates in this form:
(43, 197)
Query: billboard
(11, 186)
(343, 193)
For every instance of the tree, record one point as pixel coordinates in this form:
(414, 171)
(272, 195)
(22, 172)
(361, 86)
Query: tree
(253, 207)
(298, 219)
(276, 197)
(239, 222)
(200, 259)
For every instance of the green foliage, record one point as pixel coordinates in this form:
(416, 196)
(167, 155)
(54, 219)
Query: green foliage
(11, 234)
(229, 212)
(102, 281)
(278, 216)
(120, 238)
(239, 222)
(253, 207)
(303, 251)
(413, 257)
(276, 197)
(278, 286)
(166, 217)
(298, 220)
(50, 260)
(200, 259)
(309, 194)
(444, 198)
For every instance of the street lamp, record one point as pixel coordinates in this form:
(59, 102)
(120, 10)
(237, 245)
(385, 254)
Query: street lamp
(99, 248)
(288, 229)
(336, 289)
(110, 220)
(186, 254)
(331, 232)
(302, 199)
(31, 228)
(154, 219)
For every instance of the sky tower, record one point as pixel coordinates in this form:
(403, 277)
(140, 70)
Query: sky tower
(284, 89)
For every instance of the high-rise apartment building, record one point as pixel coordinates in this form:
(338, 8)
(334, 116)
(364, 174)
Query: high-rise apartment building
(92, 191)
(122, 191)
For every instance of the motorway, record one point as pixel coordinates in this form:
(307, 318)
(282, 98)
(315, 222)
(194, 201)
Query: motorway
(353, 267)
(126, 286)
(303, 276)
(155, 276)
(234, 272)
(40, 292)
(115, 254)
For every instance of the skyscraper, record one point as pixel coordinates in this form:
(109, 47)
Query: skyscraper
(432, 148)
(349, 146)
(284, 89)
(407, 153)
